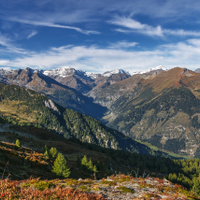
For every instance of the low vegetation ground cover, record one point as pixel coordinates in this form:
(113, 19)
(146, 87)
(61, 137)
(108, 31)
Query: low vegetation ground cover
(124, 187)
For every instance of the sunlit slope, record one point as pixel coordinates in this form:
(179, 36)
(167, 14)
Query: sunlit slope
(162, 110)
(25, 107)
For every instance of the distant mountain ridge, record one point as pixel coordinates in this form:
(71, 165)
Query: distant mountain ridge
(68, 71)
(60, 93)
(159, 107)
(80, 80)
(66, 86)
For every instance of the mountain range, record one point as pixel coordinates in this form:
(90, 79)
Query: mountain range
(159, 106)
(41, 124)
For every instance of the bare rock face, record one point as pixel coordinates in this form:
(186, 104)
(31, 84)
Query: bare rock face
(51, 105)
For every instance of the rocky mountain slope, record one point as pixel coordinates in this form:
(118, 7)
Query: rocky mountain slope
(68, 86)
(162, 109)
(58, 92)
(84, 81)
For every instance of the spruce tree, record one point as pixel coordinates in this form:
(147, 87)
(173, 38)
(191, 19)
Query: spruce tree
(46, 154)
(17, 143)
(46, 148)
(60, 167)
(53, 152)
(90, 165)
(84, 161)
(95, 171)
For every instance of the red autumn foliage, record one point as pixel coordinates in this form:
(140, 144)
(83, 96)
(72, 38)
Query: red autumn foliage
(26, 190)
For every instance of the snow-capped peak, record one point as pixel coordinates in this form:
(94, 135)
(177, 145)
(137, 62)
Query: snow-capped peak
(66, 71)
(61, 71)
(92, 75)
(160, 67)
(118, 71)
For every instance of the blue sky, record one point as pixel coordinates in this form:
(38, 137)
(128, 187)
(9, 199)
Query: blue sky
(99, 35)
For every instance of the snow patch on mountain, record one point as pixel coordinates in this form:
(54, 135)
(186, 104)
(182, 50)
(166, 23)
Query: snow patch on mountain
(92, 75)
(67, 71)
(160, 67)
(61, 71)
(118, 71)
(157, 68)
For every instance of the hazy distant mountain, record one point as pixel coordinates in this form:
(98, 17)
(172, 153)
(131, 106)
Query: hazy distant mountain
(157, 69)
(106, 94)
(197, 70)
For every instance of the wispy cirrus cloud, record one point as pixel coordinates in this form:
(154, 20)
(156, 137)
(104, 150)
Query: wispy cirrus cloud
(122, 44)
(7, 45)
(130, 25)
(50, 24)
(32, 34)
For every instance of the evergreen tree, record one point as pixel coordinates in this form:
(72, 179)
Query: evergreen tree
(46, 154)
(84, 161)
(17, 143)
(90, 165)
(196, 185)
(53, 152)
(60, 167)
(46, 148)
(95, 171)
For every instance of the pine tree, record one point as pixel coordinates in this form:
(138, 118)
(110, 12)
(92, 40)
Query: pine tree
(90, 165)
(196, 185)
(53, 152)
(46, 148)
(95, 171)
(46, 154)
(60, 167)
(84, 161)
(17, 143)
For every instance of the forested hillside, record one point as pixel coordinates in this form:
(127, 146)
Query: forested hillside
(25, 115)
(25, 107)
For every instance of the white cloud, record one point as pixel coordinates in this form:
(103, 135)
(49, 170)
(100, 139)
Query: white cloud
(93, 58)
(131, 25)
(135, 26)
(7, 45)
(122, 44)
(50, 24)
(32, 34)
(4, 62)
